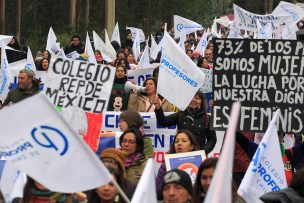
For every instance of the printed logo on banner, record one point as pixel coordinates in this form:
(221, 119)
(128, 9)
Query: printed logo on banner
(179, 27)
(47, 137)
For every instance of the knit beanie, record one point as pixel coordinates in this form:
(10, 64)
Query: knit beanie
(116, 154)
(179, 177)
(132, 118)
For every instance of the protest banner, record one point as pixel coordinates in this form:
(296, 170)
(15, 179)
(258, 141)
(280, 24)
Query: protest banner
(270, 77)
(247, 20)
(188, 162)
(78, 83)
(140, 75)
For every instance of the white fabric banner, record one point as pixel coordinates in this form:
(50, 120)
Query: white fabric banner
(145, 190)
(46, 148)
(4, 75)
(266, 170)
(179, 78)
(140, 75)
(78, 83)
(30, 64)
(247, 20)
(184, 25)
(101, 46)
(89, 50)
(220, 189)
(116, 34)
(134, 30)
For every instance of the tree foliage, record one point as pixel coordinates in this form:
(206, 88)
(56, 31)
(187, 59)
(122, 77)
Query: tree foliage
(37, 16)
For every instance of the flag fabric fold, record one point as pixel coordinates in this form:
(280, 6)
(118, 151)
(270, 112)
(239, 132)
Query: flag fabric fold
(47, 149)
(266, 170)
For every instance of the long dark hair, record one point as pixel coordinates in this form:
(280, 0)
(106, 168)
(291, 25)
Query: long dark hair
(138, 137)
(93, 196)
(191, 137)
(198, 189)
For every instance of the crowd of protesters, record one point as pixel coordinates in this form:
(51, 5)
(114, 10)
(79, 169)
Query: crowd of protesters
(127, 163)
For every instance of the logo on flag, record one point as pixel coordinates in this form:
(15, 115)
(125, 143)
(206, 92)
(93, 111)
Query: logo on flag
(42, 138)
(179, 27)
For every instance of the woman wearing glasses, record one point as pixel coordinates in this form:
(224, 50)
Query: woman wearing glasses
(131, 142)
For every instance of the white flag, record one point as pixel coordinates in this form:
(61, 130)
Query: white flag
(261, 31)
(266, 170)
(136, 47)
(185, 25)
(220, 189)
(293, 13)
(101, 46)
(224, 21)
(202, 44)
(51, 44)
(182, 40)
(4, 75)
(109, 48)
(30, 64)
(145, 190)
(134, 30)
(12, 182)
(179, 78)
(214, 31)
(72, 55)
(144, 61)
(4, 40)
(89, 50)
(155, 48)
(247, 20)
(116, 35)
(46, 148)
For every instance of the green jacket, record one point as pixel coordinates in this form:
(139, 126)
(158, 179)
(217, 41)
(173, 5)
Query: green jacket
(18, 94)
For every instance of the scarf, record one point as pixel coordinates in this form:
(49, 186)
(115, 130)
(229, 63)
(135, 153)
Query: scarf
(39, 196)
(132, 159)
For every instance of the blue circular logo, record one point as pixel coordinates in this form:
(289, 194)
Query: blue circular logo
(49, 137)
(179, 27)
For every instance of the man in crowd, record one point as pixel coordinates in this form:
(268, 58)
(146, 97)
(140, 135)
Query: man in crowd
(27, 86)
(75, 45)
(177, 187)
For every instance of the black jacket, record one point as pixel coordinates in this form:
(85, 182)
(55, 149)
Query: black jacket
(195, 122)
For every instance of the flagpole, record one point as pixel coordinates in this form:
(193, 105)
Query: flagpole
(121, 192)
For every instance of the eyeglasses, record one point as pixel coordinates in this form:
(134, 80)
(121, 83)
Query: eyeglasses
(128, 141)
